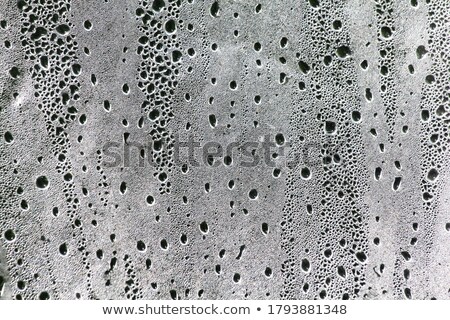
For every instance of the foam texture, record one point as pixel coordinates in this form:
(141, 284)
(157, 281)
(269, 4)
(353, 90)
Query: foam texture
(352, 201)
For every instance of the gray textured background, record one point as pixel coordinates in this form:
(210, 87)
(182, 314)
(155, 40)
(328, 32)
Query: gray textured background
(361, 87)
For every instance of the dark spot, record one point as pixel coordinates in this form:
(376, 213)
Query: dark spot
(253, 194)
(141, 246)
(176, 56)
(150, 200)
(432, 174)
(330, 127)
(279, 139)
(430, 79)
(406, 255)
(421, 52)
(42, 182)
(8, 137)
(204, 227)
(170, 26)
(361, 256)
(63, 29)
(99, 254)
(212, 120)
(76, 69)
(14, 72)
(158, 5)
(386, 32)
(164, 244)
(337, 24)
(44, 296)
(305, 173)
(304, 67)
(123, 187)
(314, 3)
(408, 293)
(87, 25)
(356, 116)
(10, 235)
(364, 65)
(63, 249)
(305, 265)
(125, 88)
(214, 10)
(162, 177)
(341, 271)
(396, 184)
(276, 172)
(265, 228)
(154, 114)
(368, 94)
(343, 52)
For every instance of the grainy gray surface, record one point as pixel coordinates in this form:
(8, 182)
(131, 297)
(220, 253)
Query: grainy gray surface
(351, 201)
